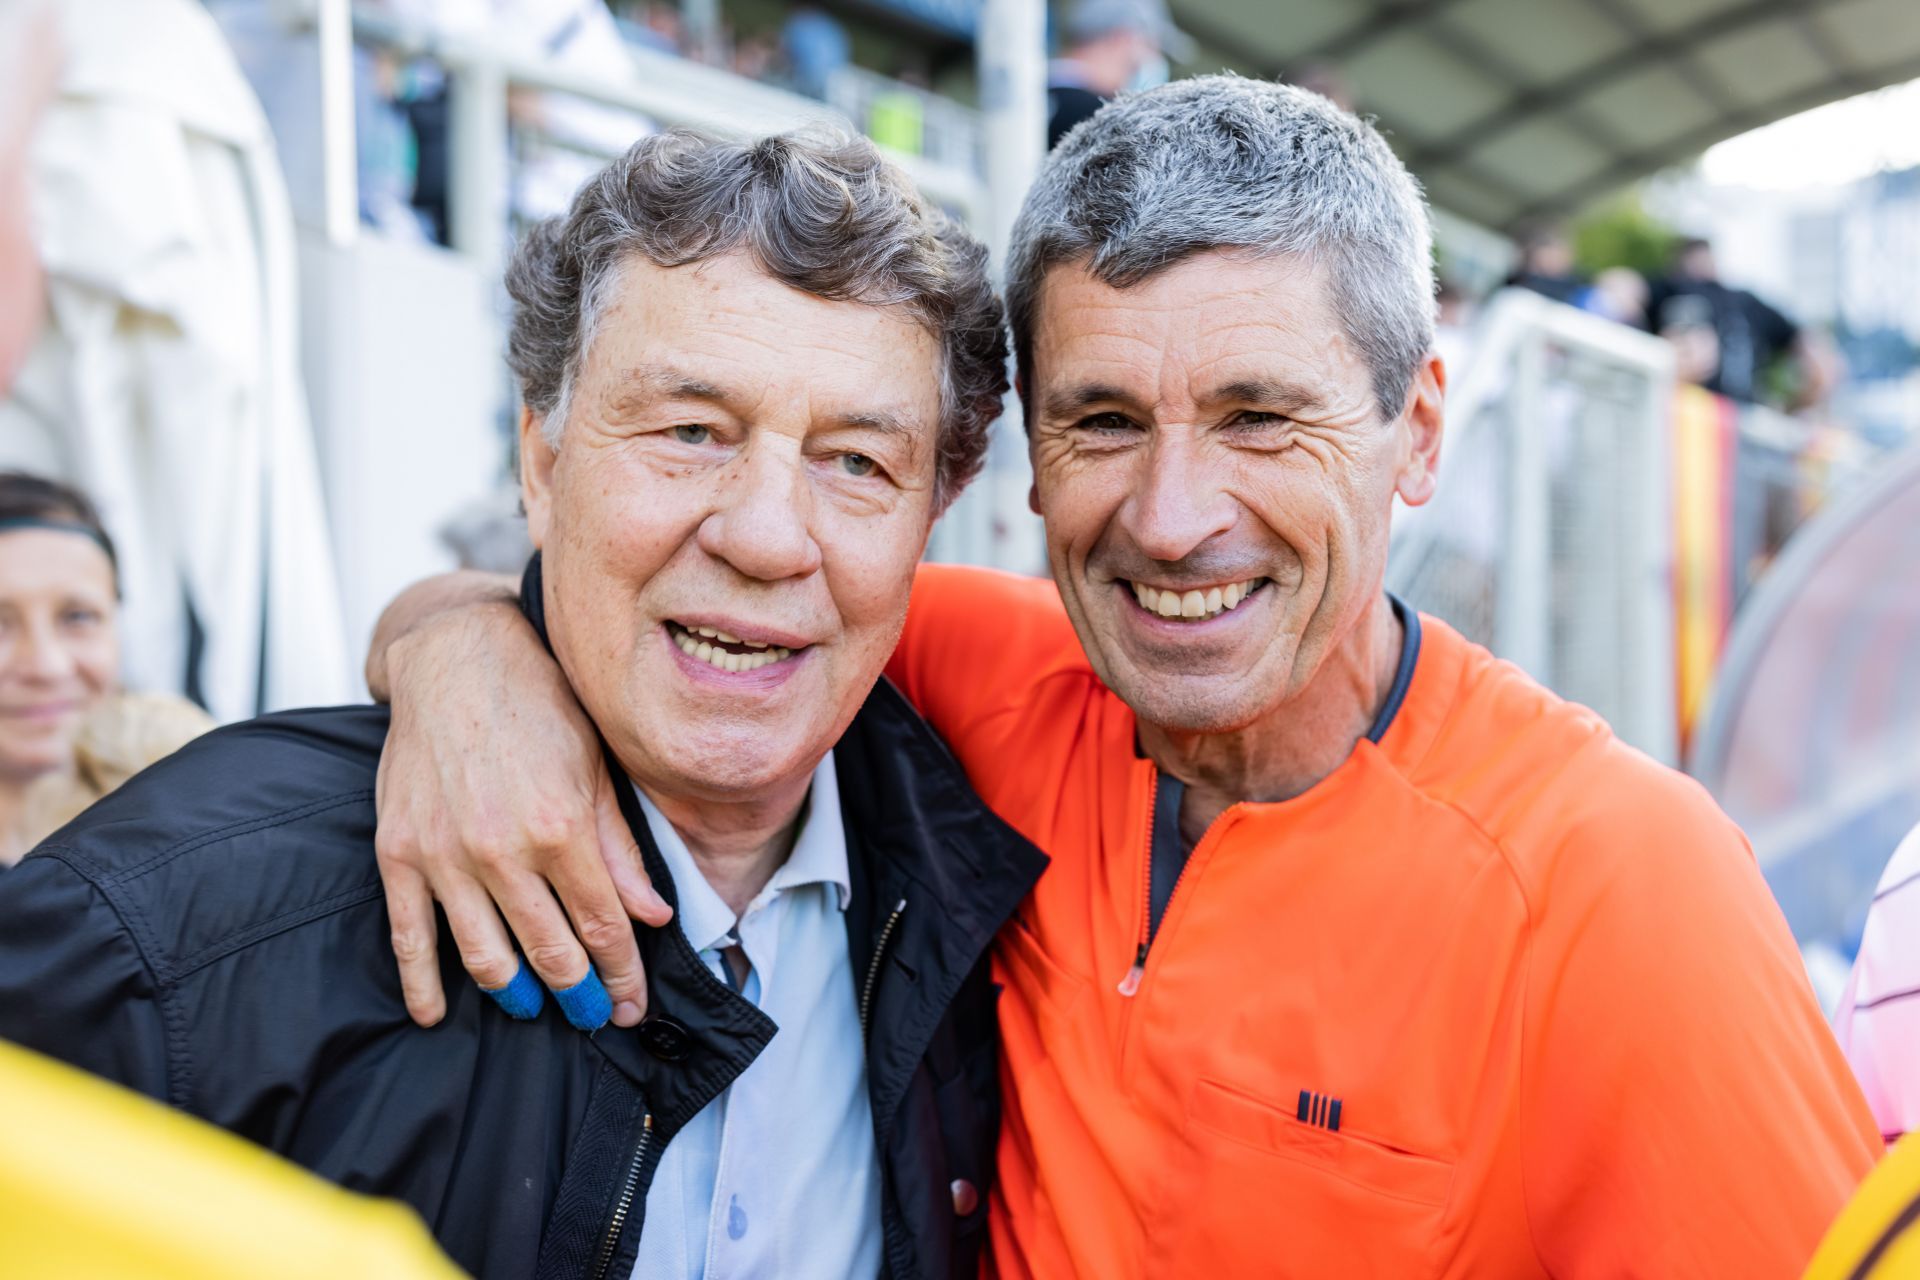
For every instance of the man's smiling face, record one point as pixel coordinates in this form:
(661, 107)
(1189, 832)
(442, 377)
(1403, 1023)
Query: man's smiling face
(730, 522)
(1216, 479)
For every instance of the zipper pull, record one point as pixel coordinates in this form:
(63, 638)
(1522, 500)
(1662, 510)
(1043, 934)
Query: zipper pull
(1131, 983)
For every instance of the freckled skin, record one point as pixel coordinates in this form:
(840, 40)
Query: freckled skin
(1209, 425)
(720, 458)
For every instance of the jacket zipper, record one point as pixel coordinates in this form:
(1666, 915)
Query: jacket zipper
(624, 1205)
(873, 969)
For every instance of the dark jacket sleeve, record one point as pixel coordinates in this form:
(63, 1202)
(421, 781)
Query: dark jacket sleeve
(73, 984)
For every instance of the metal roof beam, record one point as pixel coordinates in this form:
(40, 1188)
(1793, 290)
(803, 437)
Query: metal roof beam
(1383, 21)
(1496, 67)
(1673, 46)
(1651, 158)
(1703, 81)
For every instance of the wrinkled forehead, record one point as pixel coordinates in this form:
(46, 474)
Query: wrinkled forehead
(1219, 313)
(724, 328)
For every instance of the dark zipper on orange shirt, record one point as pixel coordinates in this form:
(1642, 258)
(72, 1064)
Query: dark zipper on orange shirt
(1129, 985)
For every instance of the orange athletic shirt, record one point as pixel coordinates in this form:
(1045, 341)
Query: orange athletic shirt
(1567, 1027)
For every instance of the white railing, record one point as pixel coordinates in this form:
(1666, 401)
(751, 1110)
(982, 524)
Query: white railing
(1550, 537)
(665, 89)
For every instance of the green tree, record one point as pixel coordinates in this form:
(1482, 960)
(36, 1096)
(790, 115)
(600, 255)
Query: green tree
(1621, 233)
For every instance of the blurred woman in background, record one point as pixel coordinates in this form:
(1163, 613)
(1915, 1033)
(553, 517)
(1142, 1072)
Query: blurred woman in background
(66, 737)
(59, 643)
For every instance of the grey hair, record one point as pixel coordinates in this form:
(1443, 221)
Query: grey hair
(1221, 162)
(820, 211)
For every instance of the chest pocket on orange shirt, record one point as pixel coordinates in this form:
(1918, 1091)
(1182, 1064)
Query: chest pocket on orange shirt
(1259, 1192)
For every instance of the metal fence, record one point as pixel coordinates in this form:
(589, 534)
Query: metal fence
(1550, 537)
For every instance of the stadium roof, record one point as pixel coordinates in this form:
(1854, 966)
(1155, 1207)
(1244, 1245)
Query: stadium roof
(1514, 110)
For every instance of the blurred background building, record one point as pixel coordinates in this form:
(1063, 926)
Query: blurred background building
(1679, 247)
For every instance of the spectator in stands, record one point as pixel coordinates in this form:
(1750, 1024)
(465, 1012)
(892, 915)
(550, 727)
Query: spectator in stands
(59, 647)
(1109, 47)
(66, 737)
(1546, 266)
(1751, 335)
(815, 46)
(1879, 1018)
(1620, 295)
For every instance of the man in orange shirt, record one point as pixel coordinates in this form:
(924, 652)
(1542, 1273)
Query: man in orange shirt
(1361, 954)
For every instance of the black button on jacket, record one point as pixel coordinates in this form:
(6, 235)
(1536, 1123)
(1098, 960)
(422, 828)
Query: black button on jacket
(214, 934)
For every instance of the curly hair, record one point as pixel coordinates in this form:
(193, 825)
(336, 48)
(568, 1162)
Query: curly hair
(820, 211)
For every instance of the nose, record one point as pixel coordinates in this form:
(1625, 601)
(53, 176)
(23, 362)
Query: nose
(39, 654)
(762, 525)
(1179, 501)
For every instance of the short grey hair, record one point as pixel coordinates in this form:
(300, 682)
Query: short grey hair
(820, 211)
(1221, 162)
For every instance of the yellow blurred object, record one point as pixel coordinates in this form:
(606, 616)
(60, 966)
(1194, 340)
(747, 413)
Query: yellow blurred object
(121, 736)
(98, 1181)
(1877, 1236)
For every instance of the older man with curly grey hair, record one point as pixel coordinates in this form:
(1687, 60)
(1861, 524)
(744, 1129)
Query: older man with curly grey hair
(753, 374)
(1360, 952)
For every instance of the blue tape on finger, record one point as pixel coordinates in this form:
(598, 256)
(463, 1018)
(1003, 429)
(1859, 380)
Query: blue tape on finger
(522, 997)
(586, 1002)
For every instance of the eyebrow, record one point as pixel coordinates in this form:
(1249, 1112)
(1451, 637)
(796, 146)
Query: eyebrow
(664, 380)
(1285, 397)
(885, 421)
(1071, 400)
(667, 381)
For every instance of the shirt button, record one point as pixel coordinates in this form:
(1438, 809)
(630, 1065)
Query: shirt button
(965, 1198)
(665, 1039)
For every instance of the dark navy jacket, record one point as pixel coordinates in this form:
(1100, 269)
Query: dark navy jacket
(214, 934)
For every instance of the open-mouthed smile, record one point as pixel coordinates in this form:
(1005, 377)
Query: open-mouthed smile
(726, 652)
(1194, 604)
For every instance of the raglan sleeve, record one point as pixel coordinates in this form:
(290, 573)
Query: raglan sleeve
(1685, 1110)
(73, 983)
(975, 641)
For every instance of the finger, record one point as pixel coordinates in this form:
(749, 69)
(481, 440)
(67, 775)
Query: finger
(486, 952)
(621, 854)
(601, 922)
(415, 949)
(541, 928)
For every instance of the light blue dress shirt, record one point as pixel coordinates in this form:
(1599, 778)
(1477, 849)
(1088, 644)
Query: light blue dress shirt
(777, 1176)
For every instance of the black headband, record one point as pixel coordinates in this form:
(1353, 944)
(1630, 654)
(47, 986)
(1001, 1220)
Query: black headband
(87, 531)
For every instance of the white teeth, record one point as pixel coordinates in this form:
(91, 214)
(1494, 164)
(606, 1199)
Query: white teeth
(715, 656)
(1194, 604)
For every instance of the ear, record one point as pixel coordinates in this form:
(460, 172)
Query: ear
(536, 474)
(1425, 420)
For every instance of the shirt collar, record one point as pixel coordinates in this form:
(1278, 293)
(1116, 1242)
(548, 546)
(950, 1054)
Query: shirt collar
(819, 857)
(820, 853)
